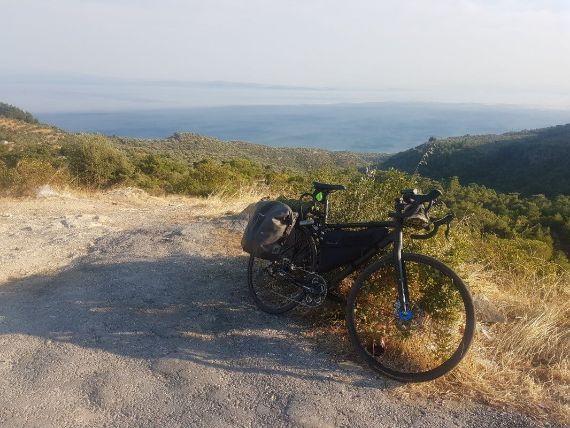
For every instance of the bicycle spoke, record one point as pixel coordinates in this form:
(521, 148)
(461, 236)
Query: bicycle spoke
(401, 347)
(278, 293)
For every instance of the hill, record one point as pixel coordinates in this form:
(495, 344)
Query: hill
(28, 133)
(31, 153)
(528, 162)
(193, 147)
(10, 111)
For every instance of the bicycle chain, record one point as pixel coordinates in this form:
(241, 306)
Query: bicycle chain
(322, 295)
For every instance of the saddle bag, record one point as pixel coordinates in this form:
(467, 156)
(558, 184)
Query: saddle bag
(267, 228)
(341, 247)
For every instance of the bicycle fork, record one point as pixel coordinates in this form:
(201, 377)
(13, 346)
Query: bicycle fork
(403, 308)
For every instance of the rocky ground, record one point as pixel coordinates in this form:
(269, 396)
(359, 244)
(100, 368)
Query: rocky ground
(121, 309)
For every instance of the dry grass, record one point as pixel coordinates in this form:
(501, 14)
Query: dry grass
(29, 176)
(48, 133)
(523, 363)
(224, 203)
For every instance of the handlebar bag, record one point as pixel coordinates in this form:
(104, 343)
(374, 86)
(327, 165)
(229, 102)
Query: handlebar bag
(416, 217)
(341, 247)
(267, 228)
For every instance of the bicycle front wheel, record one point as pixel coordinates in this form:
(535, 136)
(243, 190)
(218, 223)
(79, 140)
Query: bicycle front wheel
(415, 347)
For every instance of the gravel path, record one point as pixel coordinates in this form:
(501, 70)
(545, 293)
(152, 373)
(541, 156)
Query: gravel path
(133, 311)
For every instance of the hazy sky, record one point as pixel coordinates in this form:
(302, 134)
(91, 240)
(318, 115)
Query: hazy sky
(490, 51)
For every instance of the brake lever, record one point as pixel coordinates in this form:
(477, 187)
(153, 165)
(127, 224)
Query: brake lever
(436, 225)
(428, 207)
(447, 221)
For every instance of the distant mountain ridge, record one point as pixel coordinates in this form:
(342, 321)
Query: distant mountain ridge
(528, 162)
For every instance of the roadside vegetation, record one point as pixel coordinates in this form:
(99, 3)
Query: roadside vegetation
(511, 249)
(519, 279)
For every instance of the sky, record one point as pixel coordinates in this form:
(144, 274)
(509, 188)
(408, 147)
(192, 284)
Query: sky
(87, 54)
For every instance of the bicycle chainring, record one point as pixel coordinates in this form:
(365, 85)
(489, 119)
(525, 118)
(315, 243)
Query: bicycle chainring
(319, 289)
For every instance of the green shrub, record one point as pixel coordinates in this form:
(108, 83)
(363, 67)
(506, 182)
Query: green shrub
(11, 155)
(28, 175)
(207, 177)
(96, 162)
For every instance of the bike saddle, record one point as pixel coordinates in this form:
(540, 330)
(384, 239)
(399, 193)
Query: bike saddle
(323, 187)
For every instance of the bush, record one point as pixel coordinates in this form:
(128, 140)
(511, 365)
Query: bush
(207, 177)
(96, 162)
(28, 175)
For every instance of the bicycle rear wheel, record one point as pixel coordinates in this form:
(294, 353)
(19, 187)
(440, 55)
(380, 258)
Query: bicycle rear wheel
(417, 347)
(273, 293)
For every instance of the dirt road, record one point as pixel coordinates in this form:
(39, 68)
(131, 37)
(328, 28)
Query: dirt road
(126, 310)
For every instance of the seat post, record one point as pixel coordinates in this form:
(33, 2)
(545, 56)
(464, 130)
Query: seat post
(326, 190)
(326, 206)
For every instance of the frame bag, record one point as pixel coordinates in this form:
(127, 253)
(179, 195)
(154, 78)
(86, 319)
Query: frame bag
(341, 247)
(267, 228)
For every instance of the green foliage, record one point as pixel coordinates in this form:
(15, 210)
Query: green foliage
(13, 112)
(190, 147)
(29, 174)
(96, 162)
(524, 226)
(206, 177)
(157, 173)
(526, 162)
(12, 155)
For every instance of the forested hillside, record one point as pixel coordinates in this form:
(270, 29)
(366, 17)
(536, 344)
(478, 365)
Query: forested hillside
(192, 146)
(529, 162)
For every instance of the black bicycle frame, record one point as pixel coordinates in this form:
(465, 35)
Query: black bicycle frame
(395, 237)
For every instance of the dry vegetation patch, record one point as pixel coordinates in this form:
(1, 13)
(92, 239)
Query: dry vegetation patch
(522, 363)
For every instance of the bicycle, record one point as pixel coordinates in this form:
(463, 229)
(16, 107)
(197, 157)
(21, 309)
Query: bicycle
(409, 316)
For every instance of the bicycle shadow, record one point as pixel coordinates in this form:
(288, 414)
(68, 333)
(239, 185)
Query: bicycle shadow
(185, 307)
